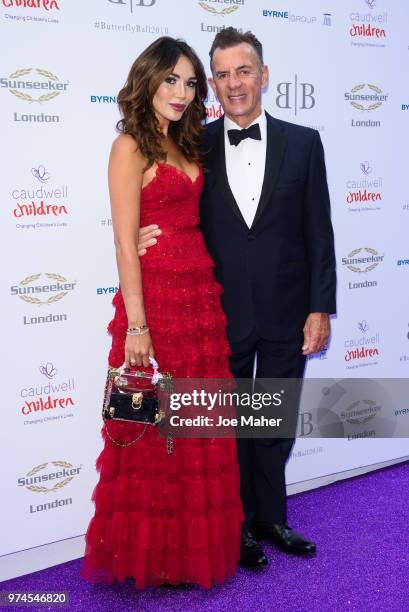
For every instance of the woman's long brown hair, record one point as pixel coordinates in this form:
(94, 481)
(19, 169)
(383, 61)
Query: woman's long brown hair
(147, 73)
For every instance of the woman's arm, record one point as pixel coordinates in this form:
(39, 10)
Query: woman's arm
(125, 173)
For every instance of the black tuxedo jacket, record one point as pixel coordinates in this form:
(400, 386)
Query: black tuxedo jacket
(283, 267)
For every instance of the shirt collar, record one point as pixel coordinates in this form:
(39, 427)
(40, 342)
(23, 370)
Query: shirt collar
(229, 124)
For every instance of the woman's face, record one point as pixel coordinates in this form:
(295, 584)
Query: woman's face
(176, 92)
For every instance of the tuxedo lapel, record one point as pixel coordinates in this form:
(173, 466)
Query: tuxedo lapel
(218, 167)
(276, 143)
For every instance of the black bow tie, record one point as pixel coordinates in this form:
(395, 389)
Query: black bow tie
(236, 136)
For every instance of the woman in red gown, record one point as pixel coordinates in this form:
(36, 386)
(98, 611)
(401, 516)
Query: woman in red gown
(164, 518)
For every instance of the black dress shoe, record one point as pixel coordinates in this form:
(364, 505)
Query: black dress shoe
(284, 538)
(251, 553)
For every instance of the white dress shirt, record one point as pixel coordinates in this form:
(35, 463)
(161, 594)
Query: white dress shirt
(245, 164)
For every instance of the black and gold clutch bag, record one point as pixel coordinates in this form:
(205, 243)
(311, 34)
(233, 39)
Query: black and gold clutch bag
(136, 396)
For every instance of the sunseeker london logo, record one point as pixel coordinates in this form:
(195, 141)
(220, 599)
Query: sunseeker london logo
(40, 478)
(362, 261)
(40, 203)
(365, 98)
(31, 79)
(43, 289)
(215, 7)
(49, 477)
(40, 290)
(34, 86)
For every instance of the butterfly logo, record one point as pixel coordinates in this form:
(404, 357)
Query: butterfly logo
(40, 174)
(48, 370)
(366, 168)
(371, 3)
(363, 326)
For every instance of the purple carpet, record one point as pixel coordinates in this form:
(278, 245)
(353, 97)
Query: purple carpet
(361, 527)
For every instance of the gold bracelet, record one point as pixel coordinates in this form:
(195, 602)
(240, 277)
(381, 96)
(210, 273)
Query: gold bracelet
(137, 331)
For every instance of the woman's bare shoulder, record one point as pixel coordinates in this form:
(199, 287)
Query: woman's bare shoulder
(124, 147)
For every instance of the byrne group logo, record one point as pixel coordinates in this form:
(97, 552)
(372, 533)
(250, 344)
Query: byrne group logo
(362, 261)
(363, 349)
(327, 19)
(47, 401)
(38, 206)
(104, 99)
(107, 290)
(365, 193)
(295, 95)
(233, 6)
(289, 17)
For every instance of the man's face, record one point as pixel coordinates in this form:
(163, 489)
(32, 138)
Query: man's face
(238, 79)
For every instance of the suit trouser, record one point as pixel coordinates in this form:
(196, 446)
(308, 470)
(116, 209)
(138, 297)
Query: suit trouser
(262, 461)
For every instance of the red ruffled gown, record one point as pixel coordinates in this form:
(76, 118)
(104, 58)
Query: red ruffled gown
(163, 518)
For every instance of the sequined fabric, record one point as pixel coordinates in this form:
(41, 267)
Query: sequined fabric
(163, 518)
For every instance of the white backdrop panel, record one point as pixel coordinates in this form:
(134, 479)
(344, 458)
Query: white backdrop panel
(56, 233)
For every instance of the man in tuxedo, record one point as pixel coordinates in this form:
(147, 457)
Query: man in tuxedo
(265, 217)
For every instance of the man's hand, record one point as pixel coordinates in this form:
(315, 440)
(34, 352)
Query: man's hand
(147, 238)
(316, 332)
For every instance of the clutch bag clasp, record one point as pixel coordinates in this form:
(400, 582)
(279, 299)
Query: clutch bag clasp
(137, 400)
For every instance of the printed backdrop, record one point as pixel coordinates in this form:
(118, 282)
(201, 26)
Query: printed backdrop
(339, 67)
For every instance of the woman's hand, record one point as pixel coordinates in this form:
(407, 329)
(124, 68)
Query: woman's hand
(147, 238)
(138, 349)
